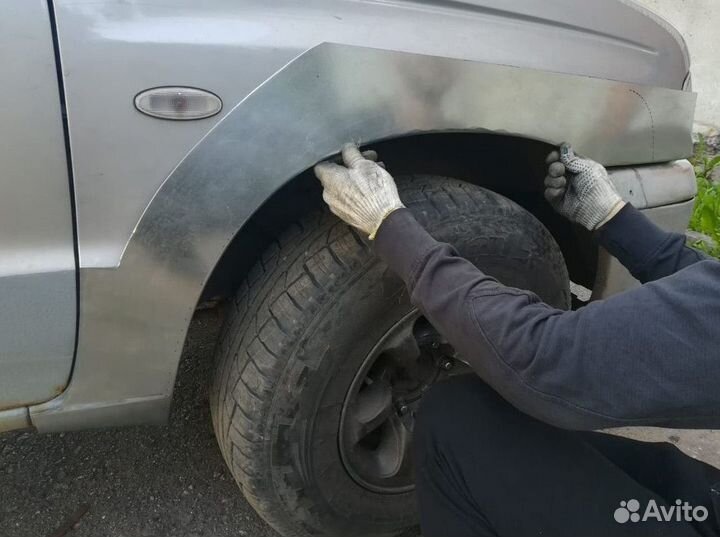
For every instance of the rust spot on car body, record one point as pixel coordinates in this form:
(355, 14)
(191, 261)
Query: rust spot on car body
(57, 390)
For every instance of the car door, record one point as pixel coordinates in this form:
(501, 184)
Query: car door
(38, 293)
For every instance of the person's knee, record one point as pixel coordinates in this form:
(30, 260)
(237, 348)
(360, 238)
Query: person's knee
(443, 451)
(449, 408)
(448, 398)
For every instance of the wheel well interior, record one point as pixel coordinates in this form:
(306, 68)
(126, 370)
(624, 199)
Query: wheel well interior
(510, 165)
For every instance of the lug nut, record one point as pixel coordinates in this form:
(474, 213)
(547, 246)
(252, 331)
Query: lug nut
(403, 409)
(446, 364)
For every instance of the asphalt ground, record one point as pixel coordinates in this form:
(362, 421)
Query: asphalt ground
(166, 481)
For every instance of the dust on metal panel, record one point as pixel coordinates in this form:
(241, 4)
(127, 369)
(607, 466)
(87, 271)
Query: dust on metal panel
(137, 315)
(232, 47)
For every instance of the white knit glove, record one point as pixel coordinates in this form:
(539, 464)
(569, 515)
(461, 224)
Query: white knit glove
(580, 189)
(361, 193)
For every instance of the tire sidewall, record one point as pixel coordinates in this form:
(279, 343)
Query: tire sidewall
(332, 353)
(287, 445)
(306, 464)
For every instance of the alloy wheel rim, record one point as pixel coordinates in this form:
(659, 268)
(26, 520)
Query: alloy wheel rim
(378, 415)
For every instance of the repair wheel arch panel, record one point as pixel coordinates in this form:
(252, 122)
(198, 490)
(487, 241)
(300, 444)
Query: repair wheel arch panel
(135, 316)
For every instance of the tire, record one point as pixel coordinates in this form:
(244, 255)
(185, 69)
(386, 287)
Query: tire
(301, 327)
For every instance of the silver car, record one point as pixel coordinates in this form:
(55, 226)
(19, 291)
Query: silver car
(156, 157)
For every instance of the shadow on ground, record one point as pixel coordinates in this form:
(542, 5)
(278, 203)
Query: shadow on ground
(135, 482)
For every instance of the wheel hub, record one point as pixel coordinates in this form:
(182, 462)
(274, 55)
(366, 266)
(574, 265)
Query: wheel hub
(378, 414)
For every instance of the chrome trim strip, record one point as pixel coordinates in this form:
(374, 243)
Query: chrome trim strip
(134, 318)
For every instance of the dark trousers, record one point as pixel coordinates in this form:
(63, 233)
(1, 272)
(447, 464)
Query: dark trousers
(486, 469)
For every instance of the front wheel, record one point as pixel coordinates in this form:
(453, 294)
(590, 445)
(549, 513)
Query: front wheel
(323, 360)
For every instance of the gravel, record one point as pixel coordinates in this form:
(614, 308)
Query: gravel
(699, 444)
(134, 482)
(161, 481)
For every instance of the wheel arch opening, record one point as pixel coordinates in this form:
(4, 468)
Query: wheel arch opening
(513, 166)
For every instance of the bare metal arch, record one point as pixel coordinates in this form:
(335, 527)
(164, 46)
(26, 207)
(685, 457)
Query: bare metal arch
(134, 317)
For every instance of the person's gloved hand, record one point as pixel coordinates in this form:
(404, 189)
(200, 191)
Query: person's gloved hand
(580, 189)
(361, 193)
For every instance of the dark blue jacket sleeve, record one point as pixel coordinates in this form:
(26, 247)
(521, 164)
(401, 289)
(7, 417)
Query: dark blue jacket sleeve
(644, 357)
(647, 251)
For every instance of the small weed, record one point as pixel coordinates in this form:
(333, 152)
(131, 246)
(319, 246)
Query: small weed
(706, 214)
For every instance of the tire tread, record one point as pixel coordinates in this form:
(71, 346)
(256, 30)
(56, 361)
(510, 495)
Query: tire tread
(275, 303)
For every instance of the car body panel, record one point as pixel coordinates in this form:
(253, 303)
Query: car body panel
(37, 257)
(655, 185)
(121, 157)
(136, 315)
(157, 201)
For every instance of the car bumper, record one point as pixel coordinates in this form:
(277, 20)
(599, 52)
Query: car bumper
(664, 193)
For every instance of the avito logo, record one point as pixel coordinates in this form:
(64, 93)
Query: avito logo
(629, 511)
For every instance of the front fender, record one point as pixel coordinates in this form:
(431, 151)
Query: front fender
(135, 316)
